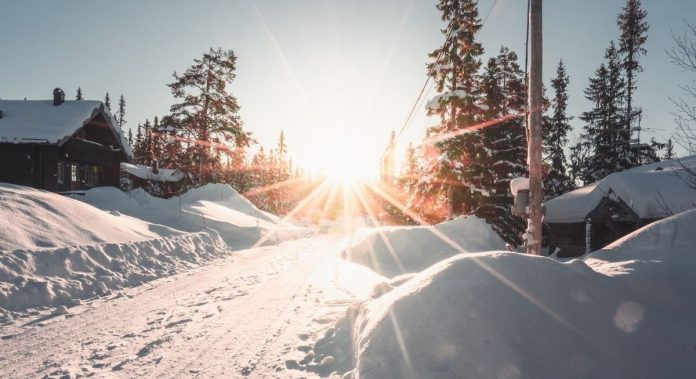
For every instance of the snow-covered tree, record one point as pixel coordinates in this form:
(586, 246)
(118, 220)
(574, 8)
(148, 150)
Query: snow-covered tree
(605, 126)
(207, 113)
(452, 170)
(107, 101)
(504, 156)
(78, 95)
(555, 137)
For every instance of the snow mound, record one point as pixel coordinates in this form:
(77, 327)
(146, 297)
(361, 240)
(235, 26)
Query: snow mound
(62, 276)
(213, 206)
(398, 250)
(625, 311)
(35, 219)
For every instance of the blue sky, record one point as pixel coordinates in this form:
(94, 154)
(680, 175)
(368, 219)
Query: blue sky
(337, 76)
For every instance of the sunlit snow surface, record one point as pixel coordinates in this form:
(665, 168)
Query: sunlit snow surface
(625, 311)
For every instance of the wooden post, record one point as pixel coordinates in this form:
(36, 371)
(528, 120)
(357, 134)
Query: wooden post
(535, 120)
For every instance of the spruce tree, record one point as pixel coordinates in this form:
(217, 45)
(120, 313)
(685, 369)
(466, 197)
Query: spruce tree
(78, 95)
(147, 143)
(633, 25)
(121, 114)
(207, 111)
(669, 150)
(555, 137)
(387, 165)
(107, 101)
(139, 155)
(409, 172)
(504, 157)
(605, 129)
(130, 137)
(452, 169)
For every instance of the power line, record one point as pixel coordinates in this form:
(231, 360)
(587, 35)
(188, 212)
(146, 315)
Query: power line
(411, 113)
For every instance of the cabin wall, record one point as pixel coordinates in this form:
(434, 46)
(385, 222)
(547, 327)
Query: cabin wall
(29, 165)
(569, 238)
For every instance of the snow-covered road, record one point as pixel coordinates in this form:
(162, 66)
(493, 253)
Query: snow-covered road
(243, 316)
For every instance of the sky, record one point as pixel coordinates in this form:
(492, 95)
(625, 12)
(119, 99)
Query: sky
(336, 76)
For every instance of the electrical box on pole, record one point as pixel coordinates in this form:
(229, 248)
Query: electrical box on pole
(536, 193)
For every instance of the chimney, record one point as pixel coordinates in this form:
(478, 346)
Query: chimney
(58, 97)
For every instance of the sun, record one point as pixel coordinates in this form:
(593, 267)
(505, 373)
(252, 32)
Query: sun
(345, 163)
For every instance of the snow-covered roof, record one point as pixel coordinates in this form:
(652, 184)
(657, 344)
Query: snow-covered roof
(652, 191)
(145, 172)
(39, 121)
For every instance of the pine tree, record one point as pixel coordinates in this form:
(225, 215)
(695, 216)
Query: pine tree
(207, 111)
(505, 154)
(121, 114)
(409, 172)
(130, 137)
(452, 172)
(387, 164)
(633, 25)
(138, 153)
(78, 95)
(669, 150)
(147, 143)
(605, 129)
(555, 137)
(107, 101)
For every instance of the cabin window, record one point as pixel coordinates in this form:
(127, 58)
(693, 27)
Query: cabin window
(73, 173)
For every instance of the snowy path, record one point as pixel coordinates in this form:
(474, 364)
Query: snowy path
(240, 317)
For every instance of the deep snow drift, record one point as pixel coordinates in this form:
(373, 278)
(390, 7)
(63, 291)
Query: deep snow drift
(55, 250)
(394, 251)
(625, 311)
(213, 206)
(62, 276)
(35, 219)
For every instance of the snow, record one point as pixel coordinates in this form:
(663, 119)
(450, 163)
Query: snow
(519, 184)
(62, 276)
(36, 121)
(214, 206)
(35, 219)
(653, 191)
(145, 172)
(392, 251)
(624, 311)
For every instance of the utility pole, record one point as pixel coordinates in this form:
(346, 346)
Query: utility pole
(536, 192)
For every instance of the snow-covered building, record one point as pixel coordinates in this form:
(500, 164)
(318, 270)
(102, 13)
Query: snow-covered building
(593, 216)
(60, 145)
(162, 182)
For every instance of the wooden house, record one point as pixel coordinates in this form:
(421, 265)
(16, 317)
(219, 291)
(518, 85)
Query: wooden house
(60, 145)
(593, 216)
(160, 182)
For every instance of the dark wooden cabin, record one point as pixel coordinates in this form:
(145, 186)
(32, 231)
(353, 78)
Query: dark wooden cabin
(598, 214)
(60, 145)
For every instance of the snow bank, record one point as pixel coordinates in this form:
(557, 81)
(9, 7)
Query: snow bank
(398, 250)
(625, 311)
(34, 219)
(213, 206)
(62, 276)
